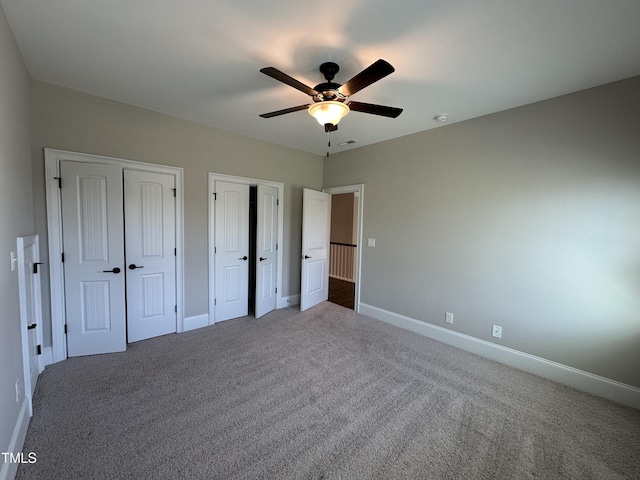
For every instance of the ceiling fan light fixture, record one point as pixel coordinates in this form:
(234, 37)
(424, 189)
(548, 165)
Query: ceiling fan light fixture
(328, 112)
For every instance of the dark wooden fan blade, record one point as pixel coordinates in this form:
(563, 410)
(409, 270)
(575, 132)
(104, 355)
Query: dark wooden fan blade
(383, 110)
(286, 110)
(284, 78)
(369, 75)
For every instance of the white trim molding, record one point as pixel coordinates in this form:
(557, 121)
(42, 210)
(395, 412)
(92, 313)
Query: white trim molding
(8, 470)
(573, 377)
(52, 160)
(289, 301)
(196, 321)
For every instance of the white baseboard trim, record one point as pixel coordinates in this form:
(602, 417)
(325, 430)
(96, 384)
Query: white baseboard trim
(8, 469)
(573, 377)
(197, 321)
(289, 301)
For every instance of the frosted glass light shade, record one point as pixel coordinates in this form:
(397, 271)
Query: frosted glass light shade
(328, 112)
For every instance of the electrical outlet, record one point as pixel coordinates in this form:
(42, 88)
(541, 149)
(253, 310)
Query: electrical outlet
(371, 242)
(497, 331)
(448, 317)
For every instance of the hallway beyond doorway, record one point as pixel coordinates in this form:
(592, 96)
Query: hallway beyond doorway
(342, 292)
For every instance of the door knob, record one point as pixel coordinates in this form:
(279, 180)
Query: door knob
(243, 258)
(115, 270)
(133, 266)
(263, 258)
(306, 256)
(32, 326)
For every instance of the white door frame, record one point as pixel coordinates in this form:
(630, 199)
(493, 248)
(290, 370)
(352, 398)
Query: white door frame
(213, 177)
(359, 189)
(52, 159)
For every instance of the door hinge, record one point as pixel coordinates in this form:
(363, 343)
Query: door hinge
(276, 289)
(35, 266)
(39, 349)
(175, 252)
(276, 246)
(174, 191)
(215, 196)
(215, 301)
(59, 181)
(277, 201)
(65, 328)
(62, 257)
(215, 250)
(176, 308)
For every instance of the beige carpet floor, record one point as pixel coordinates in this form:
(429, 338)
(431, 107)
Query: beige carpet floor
(322, 394)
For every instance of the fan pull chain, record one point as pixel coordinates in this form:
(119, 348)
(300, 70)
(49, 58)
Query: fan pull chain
(328, 143)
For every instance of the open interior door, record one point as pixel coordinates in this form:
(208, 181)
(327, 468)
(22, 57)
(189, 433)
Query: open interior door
(231, 251)
(316, 226)
(266, 253)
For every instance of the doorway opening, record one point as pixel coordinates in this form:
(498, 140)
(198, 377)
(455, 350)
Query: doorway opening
(253, 228)
(345, 252)
(343, 249)
(245, 230)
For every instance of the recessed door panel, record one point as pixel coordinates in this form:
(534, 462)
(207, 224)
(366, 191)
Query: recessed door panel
(95, 307)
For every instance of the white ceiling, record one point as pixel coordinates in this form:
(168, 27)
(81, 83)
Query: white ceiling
(200, 59)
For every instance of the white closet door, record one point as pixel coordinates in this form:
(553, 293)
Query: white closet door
(231, 250)
(151, 262)
(316, 225)
(266, 252)
(93, 241)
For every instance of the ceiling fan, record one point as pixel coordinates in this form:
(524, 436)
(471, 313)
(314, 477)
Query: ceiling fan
(330, 99)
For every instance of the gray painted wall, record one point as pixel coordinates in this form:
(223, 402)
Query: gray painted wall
(528, 218)
(69, 120)
(16, 219)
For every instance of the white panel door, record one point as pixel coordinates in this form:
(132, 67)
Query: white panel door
(93, 242)
(231, 251)
(266, 252)
(150, 239)
(316, 225)
(30, 311)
